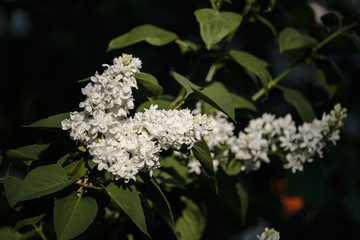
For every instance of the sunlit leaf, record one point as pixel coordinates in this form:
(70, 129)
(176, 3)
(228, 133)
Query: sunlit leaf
(290, 39)
(217, 96)
(215, 25)
(148, 85)
(42, 181)
(151, 34)
(127, 198)
(73, 215)
(191, 223)
(202, 153)
(51, 122)
(302, 105)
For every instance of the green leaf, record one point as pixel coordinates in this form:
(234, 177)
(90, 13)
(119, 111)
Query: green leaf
(202, 153)
(180, 171)
(254, 65)
(76, 169)
(356, 40)
(217, 96)
(192, 222)
(148, 85)
(27, 153)
(50, 122)
(165, 179)
(244, 201)
(302, 105)
(186, 83)
(215, 25)
(233, 168)
(331, 20)
(157, 196)
(73, 215)
(162, 104)
(28, 221)
(127, 198)
(267, 24)
(151, 34)
(329, 74)
(42, 181)
(240, 102)
(6, 233)
(290, 39)
(12, 186)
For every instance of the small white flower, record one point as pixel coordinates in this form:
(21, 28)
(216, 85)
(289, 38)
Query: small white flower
(269, 234)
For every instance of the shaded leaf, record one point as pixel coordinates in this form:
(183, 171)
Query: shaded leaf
(356, 40)
(302, 105)
(30, 152)
(331, 20)
(233, 168)
(179, 169)
(290, 39)
(328, 74)
(42, 181)
(127, 198)
(267, 24)
(6, 233)
(215, 25)
(12, 186)
(217, 96)
(162, 104)
(50, 122)
(151, 34)
(240, 102)
(191, 224)
(165, 179)
(148, 85)
(28, 221)
(85, 79)
(73, 215)
(76, 169)
(254, 65)
(202, 153)
(187, 84)
(244, 201)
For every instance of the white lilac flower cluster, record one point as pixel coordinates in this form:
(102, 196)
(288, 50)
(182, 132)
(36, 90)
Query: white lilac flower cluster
(270, 134)
(269, 234)
(125, 145)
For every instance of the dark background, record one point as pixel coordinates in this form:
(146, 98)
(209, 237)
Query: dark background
(46, 46)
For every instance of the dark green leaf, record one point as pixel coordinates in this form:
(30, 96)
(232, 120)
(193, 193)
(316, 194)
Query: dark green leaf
(233, 168)
(162, 104)
(30, 152)
(165, 179)
(63, 159)
(329, 74)
(148, 85)
(151, 34)
(244, 201)
(202, 153)
(187, 84)
(12, 186)
(356, 40)
(215, 25)
(127, 198)
(85, 79)
(253, 64)
(267, 24)
(28, 221)
(76, 169)
(217, 96)
(240, 102)
(290, 39)
(42, 181)
(73, 215)
(191, 224)
(180, 171)
(50, 122)
(6, 233)
(302, 105)
(331, 20)
(187, 46)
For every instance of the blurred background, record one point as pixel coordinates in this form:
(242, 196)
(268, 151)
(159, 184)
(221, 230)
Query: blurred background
(46, 46)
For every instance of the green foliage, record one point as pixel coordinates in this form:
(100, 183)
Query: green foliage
(27, 153)
(187, 84)
(244, 201)
(302, 105)
(12, 187)
(331, 20)
(28, 221)
(8, 234)
(42, 181)
(234, 167)
(73, 215)
(191, 224)
(291, 39)
(128, 200)
(148, 84)
(52, 122)
(215, 25)
(240, 102)
(151, 34)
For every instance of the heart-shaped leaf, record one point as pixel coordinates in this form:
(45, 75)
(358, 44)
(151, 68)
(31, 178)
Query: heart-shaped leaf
(290, 39)
(148, 85)
(215, 25)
